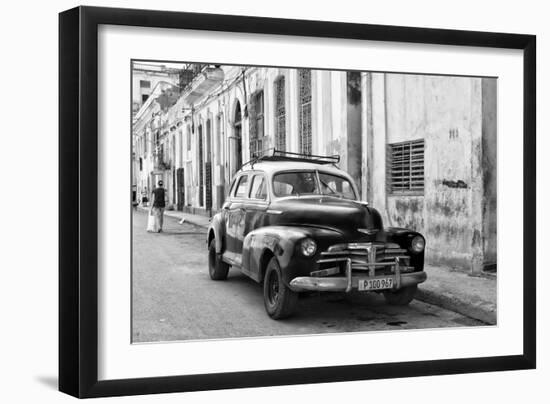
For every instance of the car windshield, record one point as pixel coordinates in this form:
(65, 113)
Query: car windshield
(312, 183)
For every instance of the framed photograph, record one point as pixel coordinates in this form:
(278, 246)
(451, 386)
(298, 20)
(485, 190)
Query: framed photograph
(251, 201)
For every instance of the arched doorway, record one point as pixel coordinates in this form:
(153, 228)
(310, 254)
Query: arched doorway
(235, 141)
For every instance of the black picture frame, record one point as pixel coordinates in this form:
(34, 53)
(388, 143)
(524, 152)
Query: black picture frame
(78, 196)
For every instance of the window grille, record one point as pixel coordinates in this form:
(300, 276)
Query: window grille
(256, 123)
(304, 114)
(406, 167)
(201, 168)
(144, 84)
(280, 114)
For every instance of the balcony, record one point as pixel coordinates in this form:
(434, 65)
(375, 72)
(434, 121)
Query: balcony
(203, 82)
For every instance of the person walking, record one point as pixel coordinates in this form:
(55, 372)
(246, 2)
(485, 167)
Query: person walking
(157, 206)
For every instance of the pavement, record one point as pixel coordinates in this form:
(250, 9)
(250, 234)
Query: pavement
(174, 299)
(197, 220)
(472, 296)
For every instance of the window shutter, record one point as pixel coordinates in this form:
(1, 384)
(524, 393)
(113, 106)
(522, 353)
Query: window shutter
(405, 167)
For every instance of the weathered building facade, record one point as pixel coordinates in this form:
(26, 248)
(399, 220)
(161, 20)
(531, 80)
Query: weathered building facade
(421, 148)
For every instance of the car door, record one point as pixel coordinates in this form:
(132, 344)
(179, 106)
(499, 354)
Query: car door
(255, 211)
(236, 219)
(257, 203)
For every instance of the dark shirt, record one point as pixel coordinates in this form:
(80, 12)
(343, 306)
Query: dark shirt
(159, 197)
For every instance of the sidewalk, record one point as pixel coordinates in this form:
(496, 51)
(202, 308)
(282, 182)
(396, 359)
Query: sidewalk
(197, 220)
(472, 296)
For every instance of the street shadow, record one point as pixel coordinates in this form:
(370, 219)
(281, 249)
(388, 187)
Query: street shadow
(48, 381)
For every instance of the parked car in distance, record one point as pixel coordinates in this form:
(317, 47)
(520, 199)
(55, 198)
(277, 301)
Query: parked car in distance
(295, 223)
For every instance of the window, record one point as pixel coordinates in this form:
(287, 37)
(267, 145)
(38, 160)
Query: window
(258, 189)
(232, 187)
(188, 138)
(241, 187)
(219, 135)
(336, 186)
(201, 167)
(280, 114)
(305, 183)
(304, 113)
(236, 141)
(256, 123)
(406, 167)
(144, 97)
(144, 84)
(295, 183)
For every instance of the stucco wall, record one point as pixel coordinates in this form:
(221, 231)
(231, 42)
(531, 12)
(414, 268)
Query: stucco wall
(447, 113)
(489, 160)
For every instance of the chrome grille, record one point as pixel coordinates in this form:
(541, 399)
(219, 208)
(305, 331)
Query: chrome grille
(374, 258)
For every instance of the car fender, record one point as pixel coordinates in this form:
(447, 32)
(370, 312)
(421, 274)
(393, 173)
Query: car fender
(403, 238)
(279, 241)
(217, 231)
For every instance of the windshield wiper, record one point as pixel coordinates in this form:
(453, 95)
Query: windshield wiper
(331, 190)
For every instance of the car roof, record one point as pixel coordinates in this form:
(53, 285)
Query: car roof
(272, 167)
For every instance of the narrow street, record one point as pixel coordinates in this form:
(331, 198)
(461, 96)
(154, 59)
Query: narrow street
(173, 297)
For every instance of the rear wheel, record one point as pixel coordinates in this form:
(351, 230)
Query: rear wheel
(401, 297)
(279, 300)
(216, 267)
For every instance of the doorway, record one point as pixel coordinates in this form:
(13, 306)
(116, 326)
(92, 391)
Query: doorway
(235, 141)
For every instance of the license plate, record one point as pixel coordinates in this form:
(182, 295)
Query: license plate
(375, 284)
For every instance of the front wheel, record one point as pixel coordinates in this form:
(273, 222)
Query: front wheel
(279, 300)
(401, 297)
(216, 267)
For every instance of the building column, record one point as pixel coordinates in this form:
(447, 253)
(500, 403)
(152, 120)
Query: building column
(366, 136)
(489, 159)
(293, 137)
(476, 180)
(323, 114)
(354, 127)
(339, 116)
(379, 144)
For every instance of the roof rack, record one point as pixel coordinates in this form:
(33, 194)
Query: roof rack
(281, 155)
(273, 154)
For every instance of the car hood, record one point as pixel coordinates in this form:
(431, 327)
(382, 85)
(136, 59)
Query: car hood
(343, 215)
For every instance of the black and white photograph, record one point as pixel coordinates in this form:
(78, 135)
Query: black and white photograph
(278, 201)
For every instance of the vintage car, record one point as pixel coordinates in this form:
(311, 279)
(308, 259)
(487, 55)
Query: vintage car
(295, 223)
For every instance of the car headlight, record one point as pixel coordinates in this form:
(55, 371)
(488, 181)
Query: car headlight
(308, 247)
(417, 244)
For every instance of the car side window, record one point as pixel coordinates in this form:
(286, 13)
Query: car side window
(258, 190)
(241, 187)
(231, 188)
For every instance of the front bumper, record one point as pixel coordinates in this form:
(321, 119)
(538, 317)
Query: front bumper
(350, 282)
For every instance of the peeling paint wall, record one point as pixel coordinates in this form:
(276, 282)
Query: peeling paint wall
(447, 113)
(489, 159)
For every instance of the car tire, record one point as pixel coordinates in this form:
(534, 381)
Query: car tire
(401, 297)
(216, 267)
(279, 300)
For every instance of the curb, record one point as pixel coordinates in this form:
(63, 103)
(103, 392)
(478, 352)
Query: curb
(178, 217)
(476, 310)
(188, 220)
